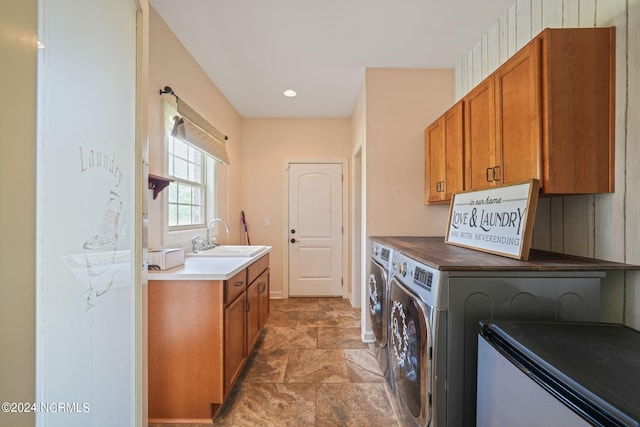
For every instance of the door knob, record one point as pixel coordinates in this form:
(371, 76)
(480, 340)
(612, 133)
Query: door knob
(293, 240)
(293, 231)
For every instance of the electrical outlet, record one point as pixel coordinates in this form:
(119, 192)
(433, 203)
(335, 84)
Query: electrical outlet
(267, 222)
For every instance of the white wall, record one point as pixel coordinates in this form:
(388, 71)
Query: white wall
(599, 226)
(266, 145)
(399, 105)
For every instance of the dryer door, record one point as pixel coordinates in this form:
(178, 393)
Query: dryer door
(410, 347)
(377, 302)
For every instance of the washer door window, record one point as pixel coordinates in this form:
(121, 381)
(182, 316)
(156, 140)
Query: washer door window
(376, 289)
(410, 343)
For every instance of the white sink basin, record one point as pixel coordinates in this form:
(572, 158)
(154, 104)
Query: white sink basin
(232, 251)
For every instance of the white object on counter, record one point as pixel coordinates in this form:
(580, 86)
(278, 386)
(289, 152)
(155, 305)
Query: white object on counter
(166, 258)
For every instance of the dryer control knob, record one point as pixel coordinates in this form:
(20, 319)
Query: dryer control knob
(403, 269)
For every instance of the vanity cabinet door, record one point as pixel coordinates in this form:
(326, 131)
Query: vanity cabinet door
(253, 315)
(263, 291)
(234, 341)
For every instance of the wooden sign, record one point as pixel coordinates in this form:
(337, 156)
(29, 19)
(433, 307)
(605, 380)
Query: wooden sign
(497, 220)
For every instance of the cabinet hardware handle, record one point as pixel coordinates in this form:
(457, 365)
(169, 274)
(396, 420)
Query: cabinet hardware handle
(248, 306)
(438, 186)
(238, 284)
(442, 186)
(263, 287)
(496, 176)
(487, 174)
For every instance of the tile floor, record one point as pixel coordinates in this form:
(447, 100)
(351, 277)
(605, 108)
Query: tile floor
(310, 368)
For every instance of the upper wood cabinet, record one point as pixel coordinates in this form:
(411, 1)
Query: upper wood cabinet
(443, 156)
(546, 113)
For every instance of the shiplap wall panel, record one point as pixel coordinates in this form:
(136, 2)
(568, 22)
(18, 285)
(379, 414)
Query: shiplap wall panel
(632, 205)
(587, 13)
(493, 48)
(477, 64)
(470, 83)
(570, 13)
(485, 56)
(504, 48)
(578, 233)
(556, 230)
(523, 23)
(536, 17)
(551, 14)
(512, 32)
(542, 222)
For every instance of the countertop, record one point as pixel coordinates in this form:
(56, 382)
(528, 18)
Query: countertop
(207, 267)
(435, 253)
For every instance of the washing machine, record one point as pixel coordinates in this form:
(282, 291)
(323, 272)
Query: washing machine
(378, 308)
(418, 341)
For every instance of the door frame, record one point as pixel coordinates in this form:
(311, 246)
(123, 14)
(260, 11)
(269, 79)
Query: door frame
(345, 219)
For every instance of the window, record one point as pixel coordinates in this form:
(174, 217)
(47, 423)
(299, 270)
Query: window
(190, 169)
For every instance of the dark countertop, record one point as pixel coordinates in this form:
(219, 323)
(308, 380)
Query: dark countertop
(596, 362)
(434, 252)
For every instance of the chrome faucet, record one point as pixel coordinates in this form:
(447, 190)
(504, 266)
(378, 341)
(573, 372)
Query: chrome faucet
(214, 243)
(196, 244)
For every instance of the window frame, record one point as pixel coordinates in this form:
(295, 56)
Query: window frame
(180, 233)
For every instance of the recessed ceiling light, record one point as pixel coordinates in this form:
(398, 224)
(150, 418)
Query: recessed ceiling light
(290, 93)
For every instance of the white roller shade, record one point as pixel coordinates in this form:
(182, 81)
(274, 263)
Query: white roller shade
(194, 129)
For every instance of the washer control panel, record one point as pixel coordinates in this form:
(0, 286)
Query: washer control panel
(382, 254)
(418, 277)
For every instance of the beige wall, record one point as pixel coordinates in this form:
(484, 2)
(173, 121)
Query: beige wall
(19, 24)
(601, 226)
(170, 64)
(266, 146)
(399, 104)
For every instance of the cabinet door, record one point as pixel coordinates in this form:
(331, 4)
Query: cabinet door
(518, 118)
(453, 151)
(434, 161)
(263, 290)
(234, 341)
(480, 135)
(253, 315)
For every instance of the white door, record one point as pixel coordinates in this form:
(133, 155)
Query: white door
(315, 229)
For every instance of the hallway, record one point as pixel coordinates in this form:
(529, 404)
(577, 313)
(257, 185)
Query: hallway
(310, 368)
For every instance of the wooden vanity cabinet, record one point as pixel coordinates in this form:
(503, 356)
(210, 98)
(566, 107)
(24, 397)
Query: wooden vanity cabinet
(444, 156)
(201, 333)
(546, 113)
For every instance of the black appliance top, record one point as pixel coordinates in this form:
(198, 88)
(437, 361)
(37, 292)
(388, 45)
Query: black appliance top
(593, 367)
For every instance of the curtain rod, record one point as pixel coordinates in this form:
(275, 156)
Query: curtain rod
(168, 90)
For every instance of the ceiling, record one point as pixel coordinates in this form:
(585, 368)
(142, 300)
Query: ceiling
(253, 50)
